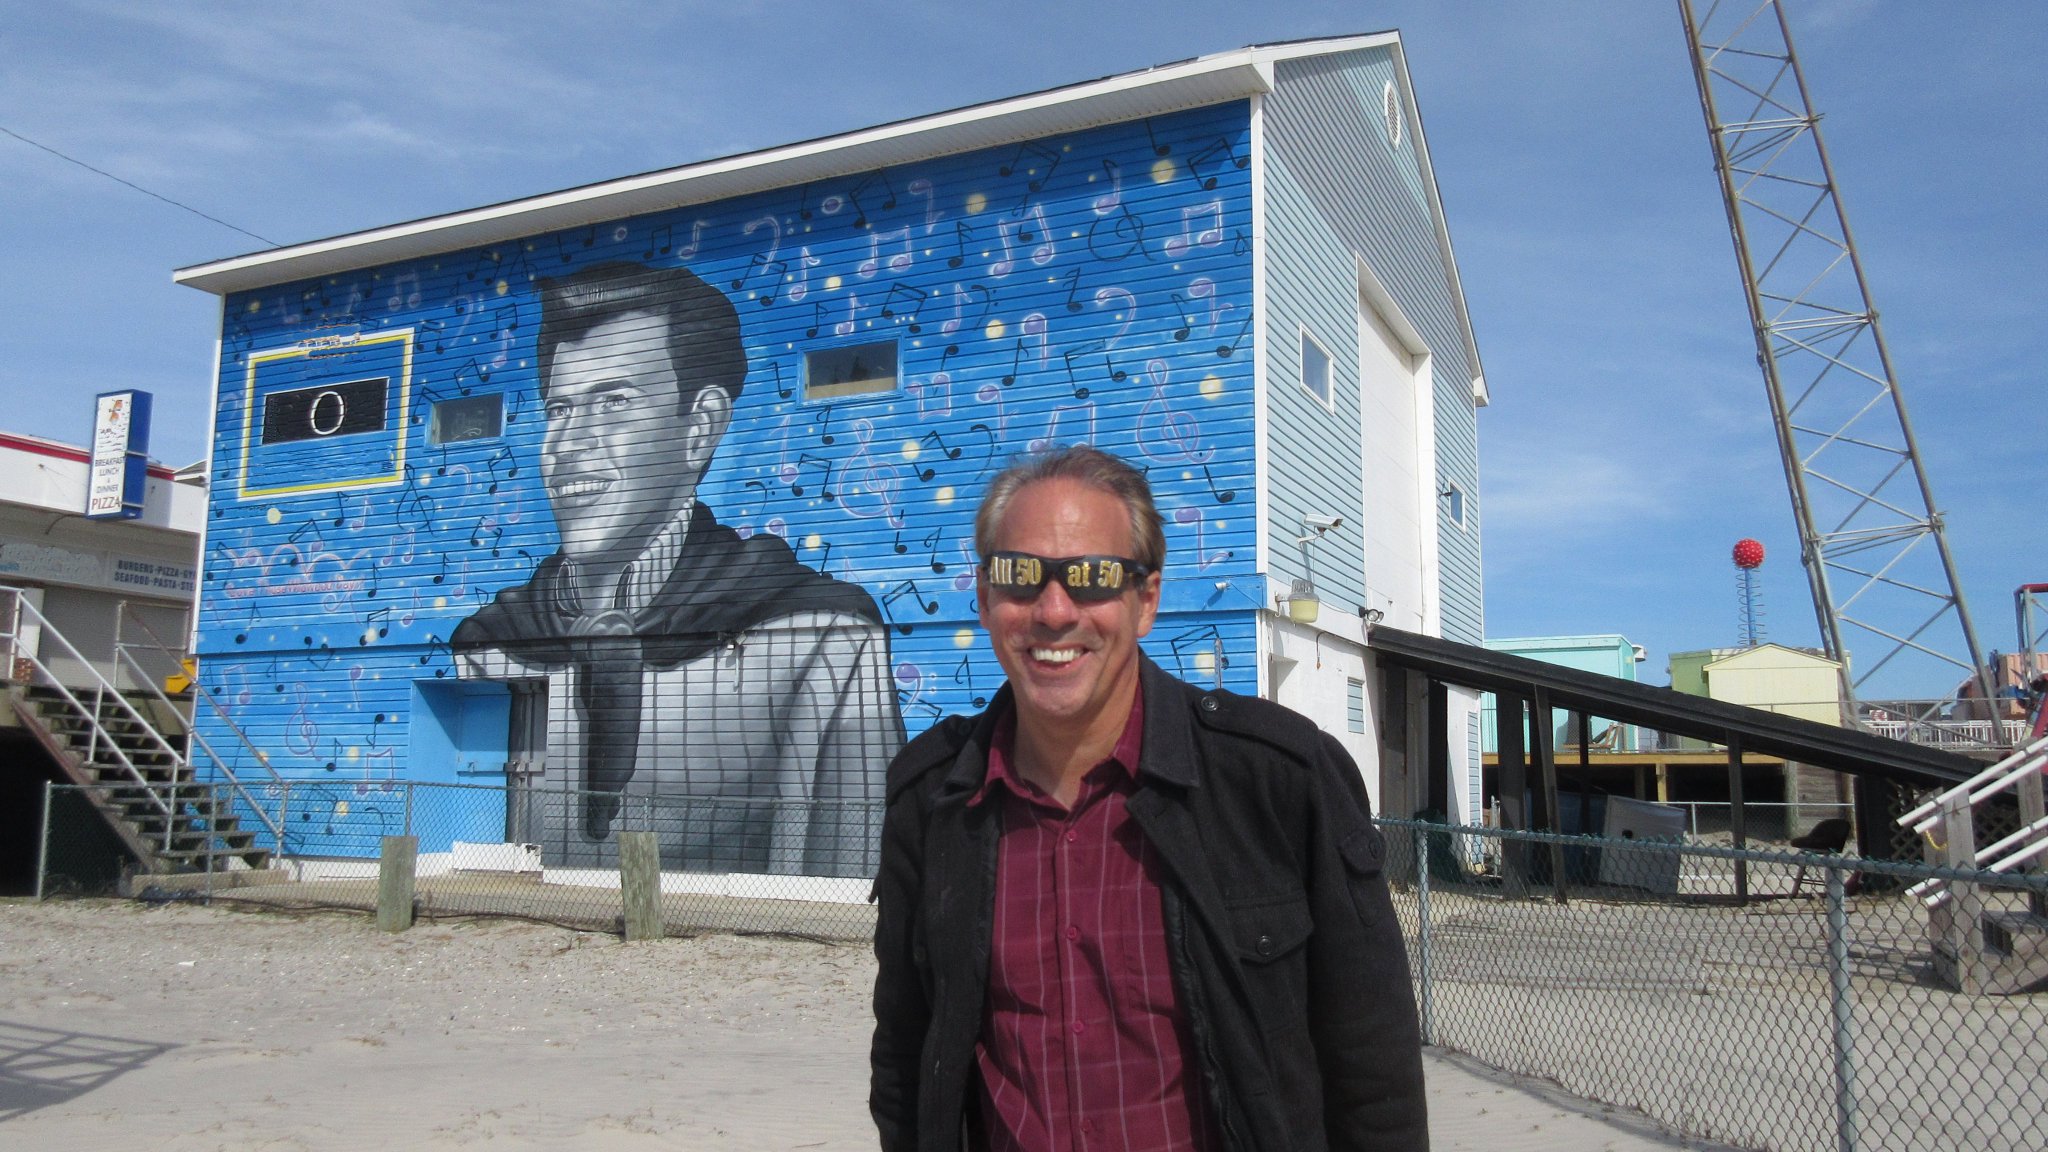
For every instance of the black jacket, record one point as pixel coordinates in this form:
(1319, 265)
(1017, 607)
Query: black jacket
(1285, 951)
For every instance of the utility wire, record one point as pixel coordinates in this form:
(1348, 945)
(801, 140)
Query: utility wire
(137, 187)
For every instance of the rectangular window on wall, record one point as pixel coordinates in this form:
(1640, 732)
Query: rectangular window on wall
(850, 370)
(1454, 503)
(1315, 368)
(1354, 705)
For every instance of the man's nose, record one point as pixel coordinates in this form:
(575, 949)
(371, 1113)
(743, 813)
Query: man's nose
(1054, 608)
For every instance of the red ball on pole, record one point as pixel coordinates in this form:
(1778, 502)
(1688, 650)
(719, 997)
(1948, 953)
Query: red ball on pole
(1749, 553)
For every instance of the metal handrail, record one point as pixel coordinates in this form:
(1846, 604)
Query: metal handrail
(91, 716)
(193, 733)
(201, 692)
(1989, 782)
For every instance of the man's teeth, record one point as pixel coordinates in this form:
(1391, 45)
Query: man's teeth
(581, 487)
(1055, 655)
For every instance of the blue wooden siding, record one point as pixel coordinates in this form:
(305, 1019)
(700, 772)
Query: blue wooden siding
(1092, 287)
(1326, 141)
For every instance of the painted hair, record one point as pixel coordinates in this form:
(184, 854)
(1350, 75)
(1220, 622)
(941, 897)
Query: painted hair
(703, 327)
(1090, 466)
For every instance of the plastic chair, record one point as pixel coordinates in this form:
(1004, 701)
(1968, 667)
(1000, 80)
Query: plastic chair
(1827, 838)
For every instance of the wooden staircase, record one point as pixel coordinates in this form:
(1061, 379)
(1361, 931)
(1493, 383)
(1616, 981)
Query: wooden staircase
(139, 780)
(1988, 937)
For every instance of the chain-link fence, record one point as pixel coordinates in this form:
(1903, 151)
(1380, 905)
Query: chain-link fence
(1820, 1016)
(469, 857)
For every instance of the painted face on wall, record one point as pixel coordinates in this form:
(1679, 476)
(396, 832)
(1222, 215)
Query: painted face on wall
(1067, 662)
(614, 460)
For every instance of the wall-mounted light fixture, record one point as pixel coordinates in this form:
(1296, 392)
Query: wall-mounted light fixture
(1301, 602)
(1373, 616)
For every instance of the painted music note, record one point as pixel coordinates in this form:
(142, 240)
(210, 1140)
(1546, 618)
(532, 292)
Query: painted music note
(962, 237)
(1187, 322)
(962, 299)
(931, 543)
(1216, 156)
(1038, 155)
(907, 588)
(934, 396)
(824, 469)
(1108, 201)
(1080, 422)
(897, 261)
(846, 327)
(796, 292)
(908, 302)
(1204, 558)
(1158, 149)
(1125, 307)
(860, 218)
(964, 675)
(1164, 435)
(1228, 350)
(1222, 495)
(1073, 282)
(1210, 237)
(932, 212)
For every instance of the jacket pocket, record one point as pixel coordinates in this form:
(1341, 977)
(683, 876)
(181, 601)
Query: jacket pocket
(1269, 932)
(1364, 851)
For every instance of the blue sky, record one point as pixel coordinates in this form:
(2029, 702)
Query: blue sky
(1628, 445)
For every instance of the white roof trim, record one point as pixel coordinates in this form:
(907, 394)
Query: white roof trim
(1481, 396)
(1193, 83)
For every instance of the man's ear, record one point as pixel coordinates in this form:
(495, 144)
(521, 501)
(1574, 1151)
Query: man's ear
(705, 424)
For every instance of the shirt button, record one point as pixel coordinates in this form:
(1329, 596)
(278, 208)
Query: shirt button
(1072, 836)
(1073, 932)
(1265, 945)
(1078, 1026)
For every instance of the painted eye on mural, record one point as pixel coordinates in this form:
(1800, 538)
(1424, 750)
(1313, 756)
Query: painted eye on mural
(613, 401)
(557, 409)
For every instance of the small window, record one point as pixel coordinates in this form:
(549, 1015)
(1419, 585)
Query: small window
(467, 418)
(1315, 368)
(1454, 503)
(852, 370)
(1354, 708)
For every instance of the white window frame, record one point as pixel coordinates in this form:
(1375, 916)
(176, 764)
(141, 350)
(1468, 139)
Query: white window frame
(1328, 398)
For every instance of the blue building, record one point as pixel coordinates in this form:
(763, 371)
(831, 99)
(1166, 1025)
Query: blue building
(657, 494)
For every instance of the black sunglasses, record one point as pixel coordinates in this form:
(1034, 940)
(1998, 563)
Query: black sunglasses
(1086, 579)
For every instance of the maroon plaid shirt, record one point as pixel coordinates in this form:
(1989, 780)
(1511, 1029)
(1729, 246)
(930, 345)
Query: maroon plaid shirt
(1084, 1045)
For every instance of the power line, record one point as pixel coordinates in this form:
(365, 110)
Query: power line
(137, 187)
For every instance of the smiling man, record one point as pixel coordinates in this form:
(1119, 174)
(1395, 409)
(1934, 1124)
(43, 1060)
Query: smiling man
(739, 701)
(1118, 911)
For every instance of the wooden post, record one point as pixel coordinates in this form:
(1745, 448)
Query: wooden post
(1738, 824)
(640, 884)
(1541, 719)
(396, 867)
(1511, 785)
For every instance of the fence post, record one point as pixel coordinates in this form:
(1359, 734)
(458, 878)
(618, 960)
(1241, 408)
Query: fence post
(408, 807)
(640, 884)
(284, 817)
(1846, 1138)
(1422, 941)
(396, 868)
(43, 851)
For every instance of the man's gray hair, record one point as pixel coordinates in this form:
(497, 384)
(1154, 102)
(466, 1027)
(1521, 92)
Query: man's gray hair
(1090, 466)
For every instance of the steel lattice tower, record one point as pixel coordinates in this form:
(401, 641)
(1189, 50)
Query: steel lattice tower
(1871, 538)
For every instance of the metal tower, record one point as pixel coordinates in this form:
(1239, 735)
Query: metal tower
(1884, 584)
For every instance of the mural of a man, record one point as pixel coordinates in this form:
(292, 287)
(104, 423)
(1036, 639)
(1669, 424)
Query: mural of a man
(746, 696)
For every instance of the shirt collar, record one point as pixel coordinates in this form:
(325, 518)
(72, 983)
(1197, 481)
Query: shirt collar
(645, 577)
(1003, 743)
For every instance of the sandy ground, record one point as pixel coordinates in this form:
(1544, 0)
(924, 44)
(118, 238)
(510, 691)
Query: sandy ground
(184, 1028)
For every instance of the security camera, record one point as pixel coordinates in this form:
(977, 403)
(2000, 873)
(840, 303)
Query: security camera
(1323, 523)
